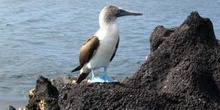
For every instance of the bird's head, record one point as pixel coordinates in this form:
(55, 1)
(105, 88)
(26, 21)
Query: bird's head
(110, 13)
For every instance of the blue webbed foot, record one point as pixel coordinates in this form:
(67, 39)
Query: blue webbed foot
(102, 79)
(94, 78)
(106, 78)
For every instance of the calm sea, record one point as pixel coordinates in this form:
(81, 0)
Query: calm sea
(43, 37)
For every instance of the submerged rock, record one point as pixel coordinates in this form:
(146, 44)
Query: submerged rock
(182, 72)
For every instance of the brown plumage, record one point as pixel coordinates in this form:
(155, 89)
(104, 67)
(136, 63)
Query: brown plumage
(87, 50)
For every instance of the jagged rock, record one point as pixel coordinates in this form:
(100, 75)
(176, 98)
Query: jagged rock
(44, 96)
(182, 72)
(184, 60)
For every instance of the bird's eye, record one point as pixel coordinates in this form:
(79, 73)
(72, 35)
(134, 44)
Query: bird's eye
(119, 11)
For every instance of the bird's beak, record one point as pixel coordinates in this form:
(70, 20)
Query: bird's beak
(122, 12)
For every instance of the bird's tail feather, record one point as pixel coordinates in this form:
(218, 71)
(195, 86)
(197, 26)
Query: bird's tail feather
(81, 77)
(77, 68)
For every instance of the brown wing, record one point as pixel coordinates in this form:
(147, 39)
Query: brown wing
(87, 51)
(115, 49)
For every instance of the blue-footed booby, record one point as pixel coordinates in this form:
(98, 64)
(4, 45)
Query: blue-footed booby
(100, 49)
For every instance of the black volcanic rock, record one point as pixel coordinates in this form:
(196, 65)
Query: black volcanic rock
(182, 72)
(45, 96)
(183, 59)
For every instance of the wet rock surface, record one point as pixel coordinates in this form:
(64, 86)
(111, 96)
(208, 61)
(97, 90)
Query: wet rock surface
(182, 72)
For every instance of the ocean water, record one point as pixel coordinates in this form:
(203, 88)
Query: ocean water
(43, 37)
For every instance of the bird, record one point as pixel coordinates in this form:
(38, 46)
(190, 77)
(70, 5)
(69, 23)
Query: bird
(99, 50)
